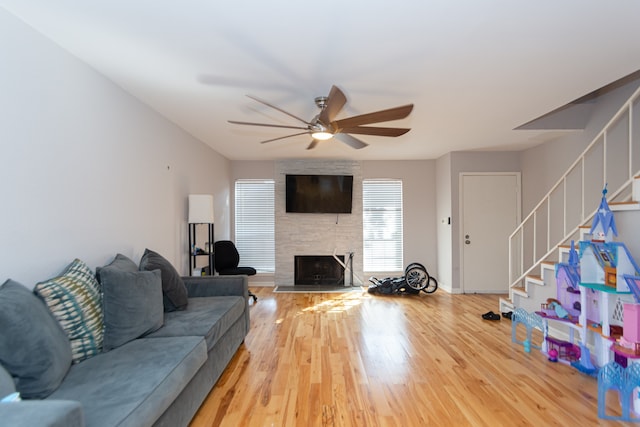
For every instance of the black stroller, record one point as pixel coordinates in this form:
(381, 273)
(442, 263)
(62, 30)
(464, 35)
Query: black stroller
(415, 279)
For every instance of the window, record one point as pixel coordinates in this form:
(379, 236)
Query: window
(382, 225)
(254, 224)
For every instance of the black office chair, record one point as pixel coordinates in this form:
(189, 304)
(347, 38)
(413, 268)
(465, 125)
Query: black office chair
(227, 259)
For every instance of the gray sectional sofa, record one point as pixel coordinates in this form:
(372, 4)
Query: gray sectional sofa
(159, 378)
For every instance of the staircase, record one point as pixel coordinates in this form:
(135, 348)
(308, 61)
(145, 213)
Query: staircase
(564, 214)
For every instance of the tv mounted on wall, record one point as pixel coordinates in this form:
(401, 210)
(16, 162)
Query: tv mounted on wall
(319, 193)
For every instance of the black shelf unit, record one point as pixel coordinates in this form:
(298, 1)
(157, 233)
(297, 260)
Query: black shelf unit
(208, 252)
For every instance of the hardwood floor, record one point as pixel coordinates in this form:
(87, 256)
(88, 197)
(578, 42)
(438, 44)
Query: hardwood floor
(354, 359)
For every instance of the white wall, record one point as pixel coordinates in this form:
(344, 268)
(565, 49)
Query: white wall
(419, 206)
(544, 164)
(498, 161)
(87, 170)
(444, 219)
(419, 189)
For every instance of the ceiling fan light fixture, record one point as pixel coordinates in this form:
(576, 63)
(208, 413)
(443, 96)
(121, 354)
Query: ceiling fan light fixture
(321, 136)
(324, 127)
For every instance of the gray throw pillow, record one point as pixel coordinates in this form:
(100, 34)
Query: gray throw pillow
(173, 287)
(121, 262)
(132, 305)
(33, 347)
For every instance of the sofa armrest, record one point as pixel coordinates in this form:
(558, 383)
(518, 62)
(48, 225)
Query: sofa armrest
(42, 413)
(213, 286)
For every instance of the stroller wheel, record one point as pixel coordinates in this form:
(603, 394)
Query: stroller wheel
(432, 285)
(416, 277)
(414, 265)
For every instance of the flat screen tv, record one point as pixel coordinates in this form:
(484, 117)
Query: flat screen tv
(319, 193)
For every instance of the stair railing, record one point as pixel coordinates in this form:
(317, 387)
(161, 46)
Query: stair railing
(554, 220)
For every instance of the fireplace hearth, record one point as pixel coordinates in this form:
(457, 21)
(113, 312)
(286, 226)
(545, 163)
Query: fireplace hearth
(318, 270)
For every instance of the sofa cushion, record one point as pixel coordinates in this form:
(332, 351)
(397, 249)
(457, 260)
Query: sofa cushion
(133, 384)
(42, 413)
(33, 347)
(74, 299)
(132, 304)
(120, 262)
(173, 288)
(208, 317)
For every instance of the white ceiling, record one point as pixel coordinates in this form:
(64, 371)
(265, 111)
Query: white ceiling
(475, 70)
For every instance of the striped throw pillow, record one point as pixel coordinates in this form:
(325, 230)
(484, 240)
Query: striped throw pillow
(74, 299)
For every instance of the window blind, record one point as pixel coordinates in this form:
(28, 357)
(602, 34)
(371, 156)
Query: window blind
(254, 224)
(382, 225)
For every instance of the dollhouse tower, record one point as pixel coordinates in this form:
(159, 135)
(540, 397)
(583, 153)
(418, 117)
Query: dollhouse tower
(574, 259)
(604, 225)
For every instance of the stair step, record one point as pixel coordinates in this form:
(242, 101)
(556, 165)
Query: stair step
(535, 279)
(624, 206)
(584, 232)
(520, 290)
(505, 305)
(564, 249)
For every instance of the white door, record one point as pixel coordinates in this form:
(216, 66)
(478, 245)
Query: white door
(490, 213)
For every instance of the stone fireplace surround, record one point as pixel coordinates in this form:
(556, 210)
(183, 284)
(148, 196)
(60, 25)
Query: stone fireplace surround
(316, 234)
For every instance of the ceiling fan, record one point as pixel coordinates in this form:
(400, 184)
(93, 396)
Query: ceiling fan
(324, 126)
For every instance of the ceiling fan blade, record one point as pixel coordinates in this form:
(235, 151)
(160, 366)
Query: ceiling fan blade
(335, 102)
(276, 108)
(351, 141)
(378, 131)
(375, 117)
(283, 137)
(313, 144)
(266, 124)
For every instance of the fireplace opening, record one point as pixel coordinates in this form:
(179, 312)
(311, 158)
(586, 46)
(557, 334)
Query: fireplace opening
(318, 270)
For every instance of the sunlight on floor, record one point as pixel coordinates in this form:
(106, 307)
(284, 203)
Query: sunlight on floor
(338, 304)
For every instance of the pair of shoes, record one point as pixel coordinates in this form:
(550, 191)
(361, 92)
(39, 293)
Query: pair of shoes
(507, 315)
(491, 316)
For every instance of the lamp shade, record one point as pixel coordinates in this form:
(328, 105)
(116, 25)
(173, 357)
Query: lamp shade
(200, 209)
